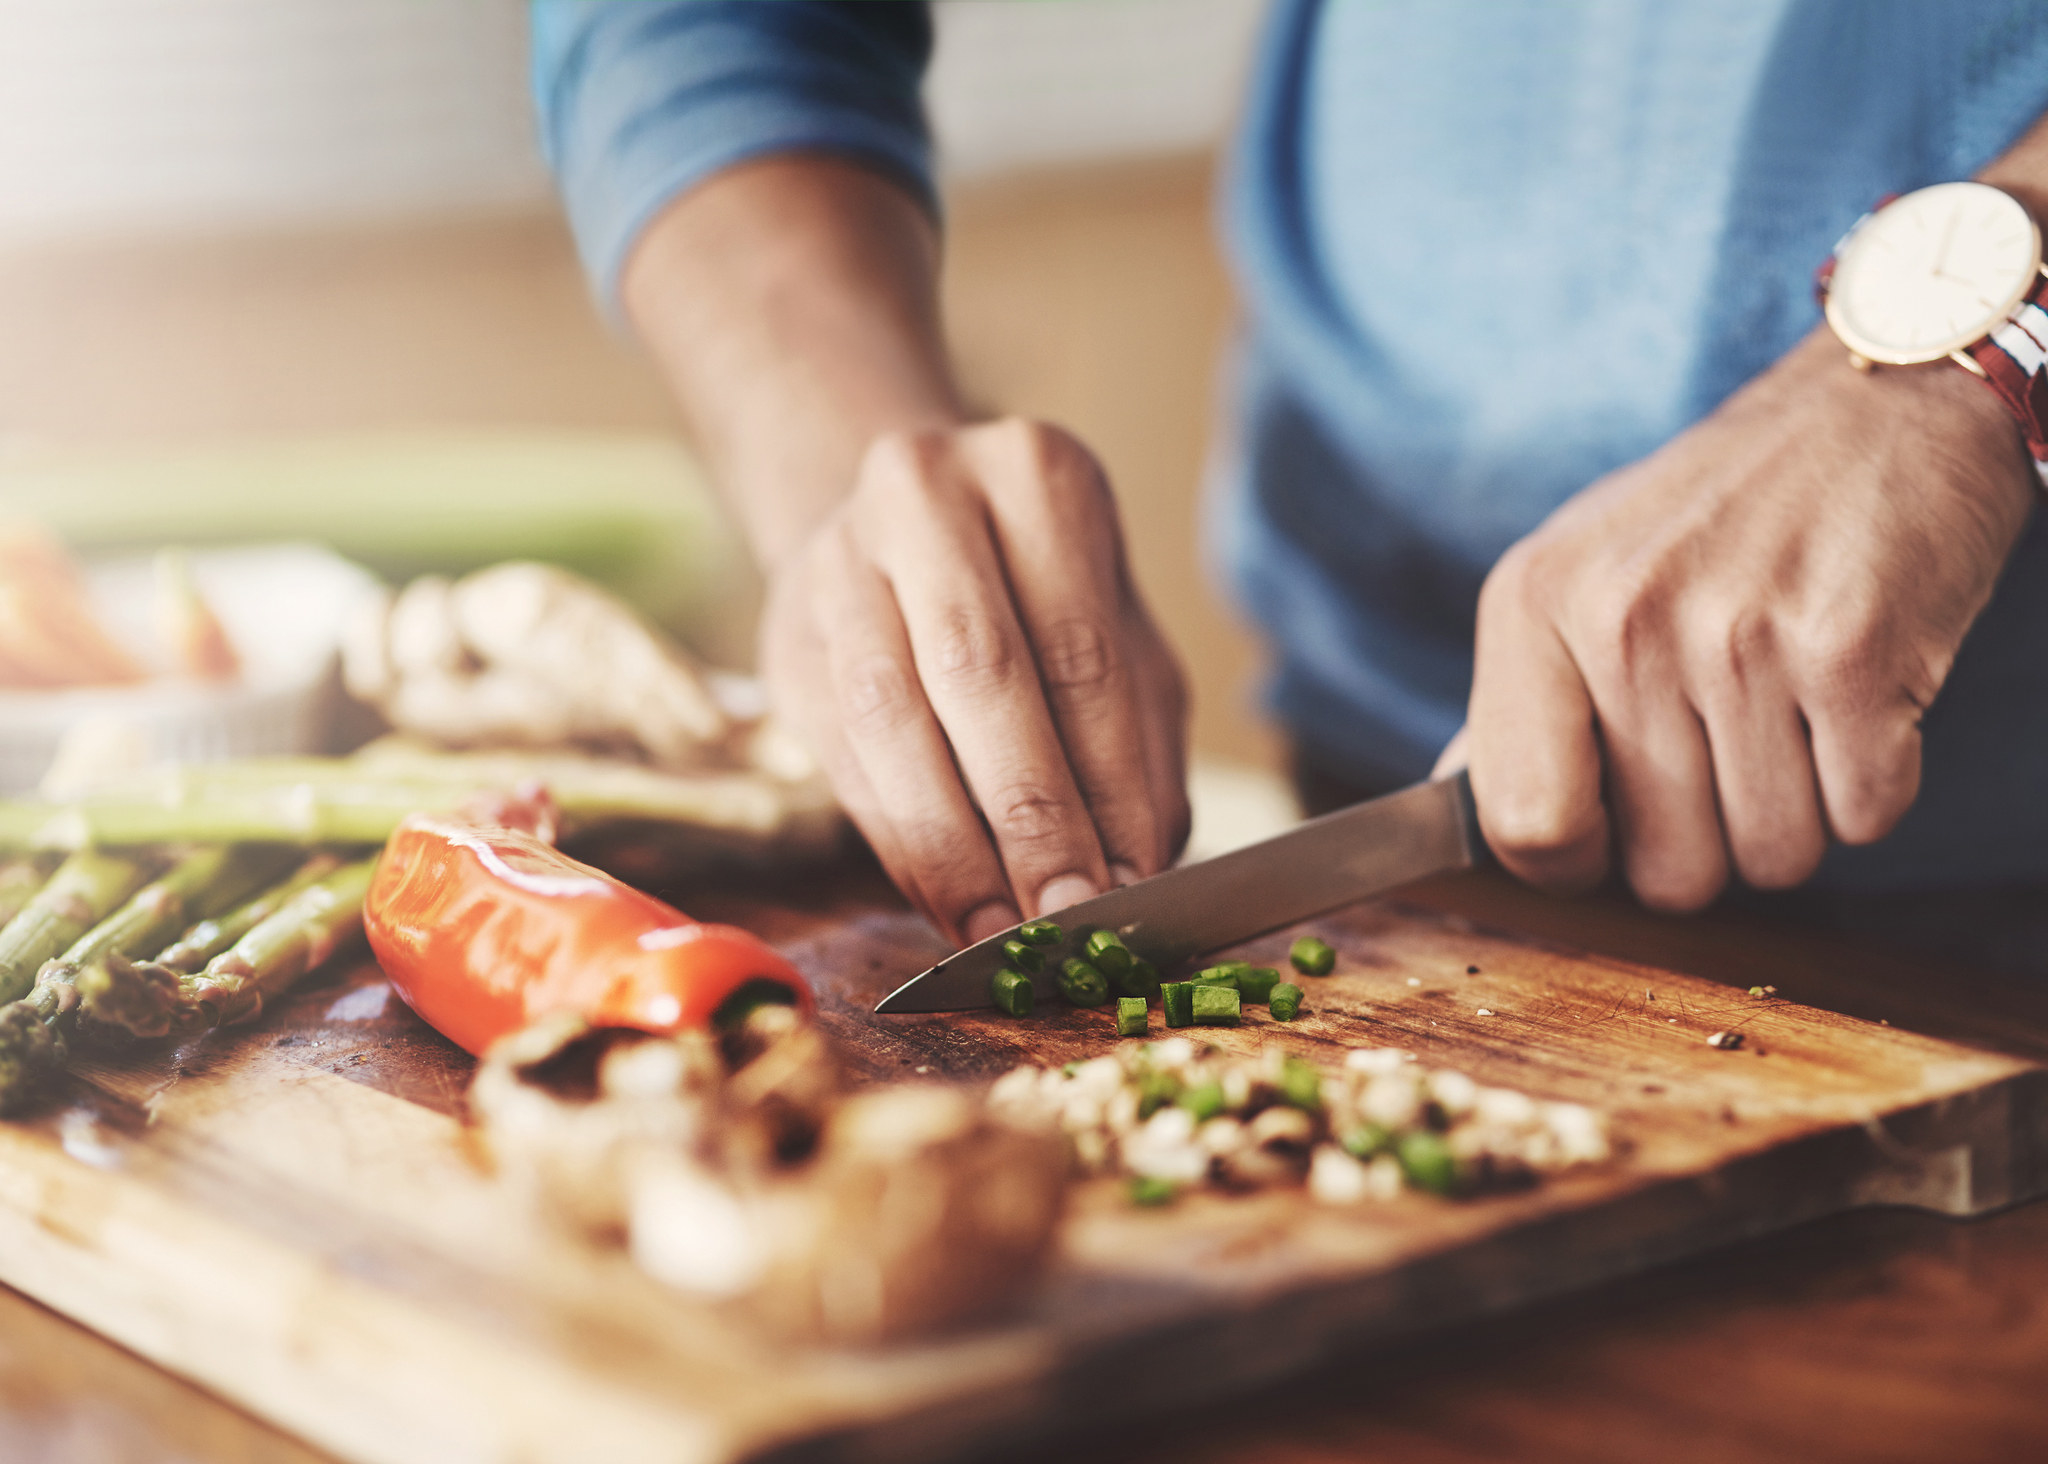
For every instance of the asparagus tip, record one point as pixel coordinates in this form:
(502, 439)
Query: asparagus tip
(29, 1051)
(140, 997)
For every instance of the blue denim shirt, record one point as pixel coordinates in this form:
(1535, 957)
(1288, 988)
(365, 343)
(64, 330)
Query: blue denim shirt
(1489, 251)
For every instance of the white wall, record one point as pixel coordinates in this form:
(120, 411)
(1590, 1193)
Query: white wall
(126, 114)
(121, 113)
(1021, 83)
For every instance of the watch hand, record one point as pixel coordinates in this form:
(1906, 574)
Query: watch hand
(1948, 236)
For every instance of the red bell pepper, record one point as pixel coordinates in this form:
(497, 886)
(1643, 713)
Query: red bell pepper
(483, 927)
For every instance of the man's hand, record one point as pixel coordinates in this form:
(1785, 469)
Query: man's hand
(961, 642)
(1715, 658)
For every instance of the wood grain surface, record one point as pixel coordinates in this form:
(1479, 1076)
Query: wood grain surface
(287, 1213)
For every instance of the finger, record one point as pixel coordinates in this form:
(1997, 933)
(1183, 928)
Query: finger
(1535, 752)
(1660, 787)
(799, 681)
(1763, 773)
(1868, 768)
(1165, 701)
(928, 832)
(979, 677)
(1057, 531)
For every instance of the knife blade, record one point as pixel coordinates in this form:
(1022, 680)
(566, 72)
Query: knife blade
(1316, 866)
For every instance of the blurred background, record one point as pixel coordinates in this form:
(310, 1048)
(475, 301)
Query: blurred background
(291, 268)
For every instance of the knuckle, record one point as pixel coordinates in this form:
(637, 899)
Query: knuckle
(904, 466)
(1621, 626)
(1077, 654)
(877, 694)
(970, 651)
(1039, 457)
(1027, 814)
(1840, 658)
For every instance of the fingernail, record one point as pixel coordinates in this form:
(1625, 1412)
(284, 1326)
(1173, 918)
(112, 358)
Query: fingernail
(987, 919)
(1068, 889)
(1123, 874)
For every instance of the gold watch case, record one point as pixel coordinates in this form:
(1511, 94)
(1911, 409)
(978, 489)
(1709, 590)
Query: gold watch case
(1931, 272)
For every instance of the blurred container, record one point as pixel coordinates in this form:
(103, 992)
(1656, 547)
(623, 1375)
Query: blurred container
(283, 606)
(632, 511)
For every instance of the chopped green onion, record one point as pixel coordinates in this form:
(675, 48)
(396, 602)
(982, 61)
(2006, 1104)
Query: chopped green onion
(1257, 983)
(1367, 1140)
(1082, 984)
(1155, 1091)
(1108, 953)
(1130, 1016)
(1284, 1001)
(1142, 980)
(1024, 957)
(1149, 1190)
(1312, 957)
(1426, 1161)
(1012, 992)
(1301, 1086)
(1204, 1100)
(1178, 997)
(1040, 932)
(1068, 1069)
(1215, 1006)
(1226, 975)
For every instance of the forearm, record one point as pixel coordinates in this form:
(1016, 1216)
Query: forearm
(792, 305)
(2022, 170)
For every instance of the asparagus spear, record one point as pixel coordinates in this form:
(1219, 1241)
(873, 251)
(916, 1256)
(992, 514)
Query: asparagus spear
(151, 1000)
(192, 950)
(200, 881)
(19, 880)
(85, 887)
(312, 800)
(197, 880)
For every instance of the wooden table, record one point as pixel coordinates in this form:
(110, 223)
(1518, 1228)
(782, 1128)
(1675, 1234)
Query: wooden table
(1876, 1336)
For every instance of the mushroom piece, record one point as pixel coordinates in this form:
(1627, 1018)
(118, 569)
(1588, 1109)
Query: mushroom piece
(740, 1169)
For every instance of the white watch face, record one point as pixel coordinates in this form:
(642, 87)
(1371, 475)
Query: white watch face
(1932, 272)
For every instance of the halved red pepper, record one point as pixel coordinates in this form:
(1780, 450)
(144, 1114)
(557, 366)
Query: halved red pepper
(483, 927)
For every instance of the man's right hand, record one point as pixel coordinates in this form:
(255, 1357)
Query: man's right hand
(960, 641)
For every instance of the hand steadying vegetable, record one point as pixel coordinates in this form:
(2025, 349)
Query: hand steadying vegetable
(483, 928)
(951, 621)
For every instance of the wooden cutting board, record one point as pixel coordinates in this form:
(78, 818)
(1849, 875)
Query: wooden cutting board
(289, 1215)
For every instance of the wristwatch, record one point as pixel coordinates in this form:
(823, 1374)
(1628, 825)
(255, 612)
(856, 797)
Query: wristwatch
(1953, 271)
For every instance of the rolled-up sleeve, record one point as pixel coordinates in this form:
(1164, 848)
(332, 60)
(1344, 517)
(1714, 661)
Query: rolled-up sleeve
(638, 101)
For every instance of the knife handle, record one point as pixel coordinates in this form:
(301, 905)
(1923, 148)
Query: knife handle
(1477, 853)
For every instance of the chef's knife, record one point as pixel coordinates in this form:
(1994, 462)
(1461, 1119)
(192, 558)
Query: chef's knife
(1330, 861)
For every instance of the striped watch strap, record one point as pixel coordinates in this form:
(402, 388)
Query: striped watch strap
(2014, 362)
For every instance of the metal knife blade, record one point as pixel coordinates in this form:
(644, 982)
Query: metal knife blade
(1320, 865)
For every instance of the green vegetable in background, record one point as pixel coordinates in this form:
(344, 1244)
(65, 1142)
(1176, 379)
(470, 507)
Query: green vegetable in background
(1256, 983)
(1312, 957)
(1013, 993)
(1106, 952)
(1130, 1016)
(1083, 985)
(1215, 1006)
(1025, 957)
